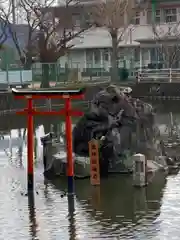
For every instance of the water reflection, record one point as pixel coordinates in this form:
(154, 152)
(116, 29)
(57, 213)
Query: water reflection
(14, 144)
(71, 218)
(20, 149)
(115, 210)
(117, 206)
(32, 216)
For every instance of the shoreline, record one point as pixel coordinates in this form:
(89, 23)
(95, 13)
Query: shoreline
(146, 91)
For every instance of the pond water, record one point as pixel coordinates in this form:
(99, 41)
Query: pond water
(114, 211)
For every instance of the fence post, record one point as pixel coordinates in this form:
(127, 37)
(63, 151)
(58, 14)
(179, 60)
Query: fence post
(170, 75)
(21, 77)
(56, 72)
(7, 74)
(33, 77)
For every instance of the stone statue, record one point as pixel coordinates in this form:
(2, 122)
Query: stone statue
(127, 124)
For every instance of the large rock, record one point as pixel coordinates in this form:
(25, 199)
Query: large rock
(126, 123)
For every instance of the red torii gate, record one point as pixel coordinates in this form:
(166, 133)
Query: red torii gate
(30, 111)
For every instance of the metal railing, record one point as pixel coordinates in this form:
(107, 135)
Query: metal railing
(58, 76)
(62, 75)
(159, 75)
(15, 77)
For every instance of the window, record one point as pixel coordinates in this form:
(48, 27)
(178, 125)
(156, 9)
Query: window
(76, 20)
(170, 15)
(149, 17)
(97, 56)
(163, 15)
(137, 18)
(156, 55)
(157, 16)
(84, 23)
(121, 55)
(89, 56)
(153, 55)
(106, 55)
(136, 54)
(145, 54)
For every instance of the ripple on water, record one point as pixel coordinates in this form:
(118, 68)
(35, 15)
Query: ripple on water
(93, 218)
(107, 213)
(170, 210)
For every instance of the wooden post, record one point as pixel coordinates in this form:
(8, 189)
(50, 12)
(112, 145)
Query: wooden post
(94, 162)
(70, 164)
(30, 146)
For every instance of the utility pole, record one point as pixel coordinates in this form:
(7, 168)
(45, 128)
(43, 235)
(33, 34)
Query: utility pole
(153, 7)
(13, 11)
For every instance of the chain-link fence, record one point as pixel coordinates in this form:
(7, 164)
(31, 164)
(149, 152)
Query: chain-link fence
(58, 75)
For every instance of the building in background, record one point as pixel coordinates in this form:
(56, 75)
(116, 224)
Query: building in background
(10, 58)
(139, 48)
(142, 45)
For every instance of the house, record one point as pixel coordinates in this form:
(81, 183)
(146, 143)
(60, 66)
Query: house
(143, 44)
(140, 46)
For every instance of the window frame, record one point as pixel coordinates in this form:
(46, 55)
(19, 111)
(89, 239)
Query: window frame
(170, 15)
(97, 56)
(161, 15)
(158, 17)
(137, 18)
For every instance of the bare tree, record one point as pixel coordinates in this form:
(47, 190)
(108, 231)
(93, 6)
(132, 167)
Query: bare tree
(23, 35)
(57, 29)
(167, 38)
(117, 17)
(48, 32)
(4, 23)
(3, 33)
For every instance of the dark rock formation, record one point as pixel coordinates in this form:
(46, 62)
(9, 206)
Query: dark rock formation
(127, 125)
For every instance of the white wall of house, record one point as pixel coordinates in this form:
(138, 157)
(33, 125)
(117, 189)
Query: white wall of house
(101, 58)
(135, 57)
(98, 58)
(93, 51)
(74, 59)
(62, 61)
